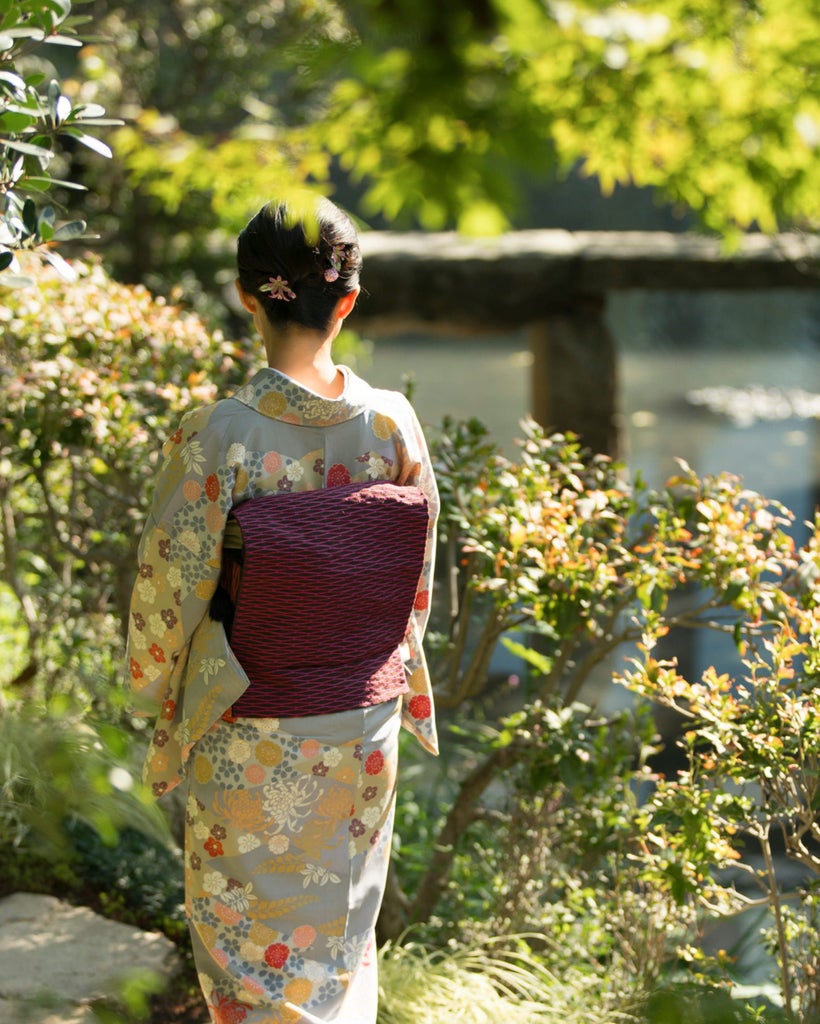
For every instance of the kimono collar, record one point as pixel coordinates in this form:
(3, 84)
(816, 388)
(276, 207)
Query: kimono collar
(280, 397)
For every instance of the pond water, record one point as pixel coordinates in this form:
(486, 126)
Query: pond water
(727, 381)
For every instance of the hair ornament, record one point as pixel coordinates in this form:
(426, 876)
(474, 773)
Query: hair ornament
(277, 287)
(338, 254)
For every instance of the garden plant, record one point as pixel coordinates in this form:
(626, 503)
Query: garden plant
(418, 115)
(39, 124)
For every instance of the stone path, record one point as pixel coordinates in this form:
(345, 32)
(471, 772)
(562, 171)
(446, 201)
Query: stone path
(56, 959)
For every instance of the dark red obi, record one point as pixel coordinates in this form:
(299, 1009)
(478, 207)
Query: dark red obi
(325, 593)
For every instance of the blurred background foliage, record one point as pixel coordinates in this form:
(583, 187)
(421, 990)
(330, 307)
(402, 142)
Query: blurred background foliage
(423, 115)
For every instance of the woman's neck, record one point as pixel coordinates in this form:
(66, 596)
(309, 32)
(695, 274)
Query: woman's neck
(307, 360)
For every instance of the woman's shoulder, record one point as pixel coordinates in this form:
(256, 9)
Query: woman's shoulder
(204, 423)
(384, 401)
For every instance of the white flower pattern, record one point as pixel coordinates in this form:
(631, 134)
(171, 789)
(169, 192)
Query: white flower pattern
(289, 803)
(248, 842)
(156, 625)
(376, 467)
(214, 883)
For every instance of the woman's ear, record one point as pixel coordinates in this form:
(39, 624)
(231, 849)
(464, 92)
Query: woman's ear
(344, 307)
(247, 300)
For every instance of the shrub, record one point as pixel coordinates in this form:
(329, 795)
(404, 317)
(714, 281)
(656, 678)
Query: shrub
(559, 549)
(93, 377)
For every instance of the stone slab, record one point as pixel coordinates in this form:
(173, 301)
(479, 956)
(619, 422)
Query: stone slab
(55, 958)
(417, 278)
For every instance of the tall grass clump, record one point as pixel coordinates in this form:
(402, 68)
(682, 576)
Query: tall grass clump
(488, 983)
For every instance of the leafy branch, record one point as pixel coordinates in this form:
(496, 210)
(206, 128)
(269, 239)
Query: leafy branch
(34, 122)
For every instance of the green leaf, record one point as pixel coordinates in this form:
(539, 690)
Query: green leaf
(89, 141)
(86, 110)
(26, 32)
(483, 219)
(45, 224)
(57, 181)
(9, 76)
(77, 19)
(95, 121)
(30, 216)
(30, 105)
(644, 593)
(65, 270)
(42, 154)
(73, 229)
(538, 661)
(6, 260)
(14, 122)
(62, 109)
(58, 40)
(16, 281)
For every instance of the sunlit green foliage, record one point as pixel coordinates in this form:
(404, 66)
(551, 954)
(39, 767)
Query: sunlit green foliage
(490, 981)
(437, 114)
(752, 740)
(94, 375)
(36, 118)
(557, 546)
(433, 116)
(58, 767)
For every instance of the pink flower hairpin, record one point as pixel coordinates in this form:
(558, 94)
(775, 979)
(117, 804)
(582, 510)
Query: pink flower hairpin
(337, 257)
(277, 287)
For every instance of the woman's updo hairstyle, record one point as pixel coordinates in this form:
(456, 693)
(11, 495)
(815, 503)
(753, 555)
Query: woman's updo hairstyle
(310, 256)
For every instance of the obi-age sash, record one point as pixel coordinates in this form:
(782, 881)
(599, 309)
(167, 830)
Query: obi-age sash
(322, 595)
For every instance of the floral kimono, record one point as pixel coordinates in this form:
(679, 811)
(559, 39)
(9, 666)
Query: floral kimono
(288, 820)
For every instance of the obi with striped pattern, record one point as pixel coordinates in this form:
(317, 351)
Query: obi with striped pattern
(322, 603)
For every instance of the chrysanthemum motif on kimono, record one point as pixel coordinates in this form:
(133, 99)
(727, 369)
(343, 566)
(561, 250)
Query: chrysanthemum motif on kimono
(289, 803)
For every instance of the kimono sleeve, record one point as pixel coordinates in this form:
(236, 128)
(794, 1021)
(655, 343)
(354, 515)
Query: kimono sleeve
(179, 557)
(416, 470)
